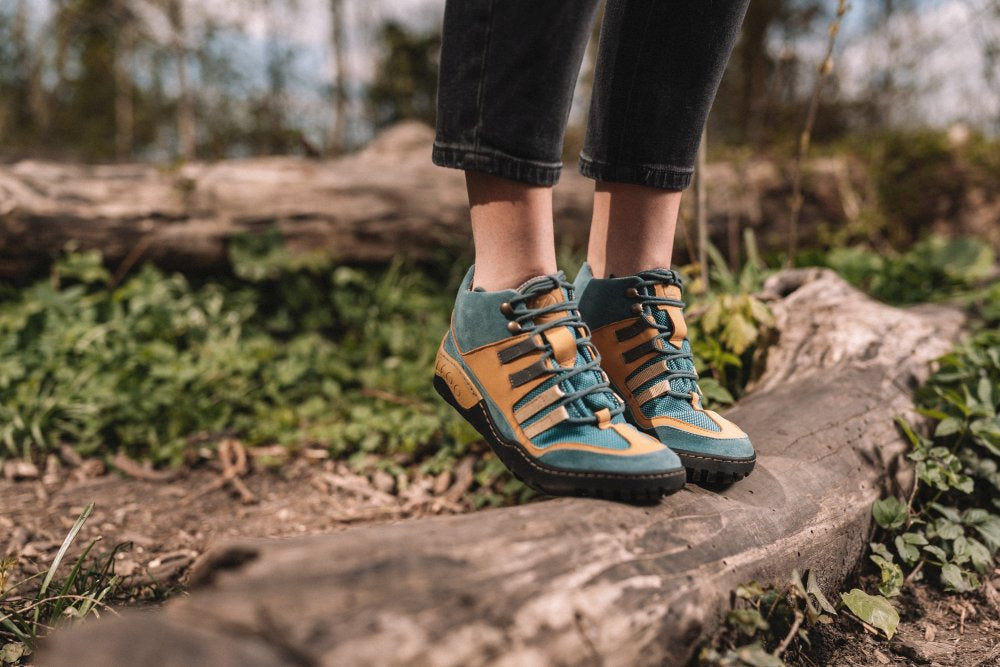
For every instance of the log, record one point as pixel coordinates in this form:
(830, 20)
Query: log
(385, 201)
(577, 581)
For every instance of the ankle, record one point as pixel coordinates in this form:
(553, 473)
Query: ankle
(495, 276)
(631, 264)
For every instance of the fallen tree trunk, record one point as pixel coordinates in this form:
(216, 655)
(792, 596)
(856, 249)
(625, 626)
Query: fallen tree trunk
(576, 581)
(369, 207)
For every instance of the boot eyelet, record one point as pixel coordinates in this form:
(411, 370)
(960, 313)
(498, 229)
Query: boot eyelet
(507, 309)
(632, 292)
(514, 327)
(636, 308)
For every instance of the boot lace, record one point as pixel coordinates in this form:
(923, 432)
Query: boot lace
(527, 319)
(647, 302)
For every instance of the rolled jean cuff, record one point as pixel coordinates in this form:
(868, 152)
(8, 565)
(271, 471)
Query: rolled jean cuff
(496, 163)
(652, 175)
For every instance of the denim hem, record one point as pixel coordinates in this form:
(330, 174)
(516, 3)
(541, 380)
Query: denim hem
(496, 163)
(655, 176)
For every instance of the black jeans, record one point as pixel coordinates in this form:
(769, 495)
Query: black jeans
(509, 67)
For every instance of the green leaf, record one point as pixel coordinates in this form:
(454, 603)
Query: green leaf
(891, 576)
(908, 553)
(749, 591)
(980, 555)
(937, 552)
(989, 530)
(874, 610)
(889, 513)
(947, 530)
(908, 431)
(70, 536)
(880, 549)
(738, 333)
(754, 655)
(747, 621)
(948, 426)
(954, 579)
(949, 513)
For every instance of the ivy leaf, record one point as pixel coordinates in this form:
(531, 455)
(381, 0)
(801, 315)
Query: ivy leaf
(960, 551)
(981, 557)
(949, 513)
(874, 610)
(989, 529)
(754, 655)
(889, 513)
(909, 553)
(954, 579)
(947, 530)
(937, 552)
(747, 621)
(891, 576)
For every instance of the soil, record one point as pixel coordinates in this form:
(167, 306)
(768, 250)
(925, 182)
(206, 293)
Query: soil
(935, 629)
(171, 518)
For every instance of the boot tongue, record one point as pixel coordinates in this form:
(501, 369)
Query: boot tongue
(547, 292)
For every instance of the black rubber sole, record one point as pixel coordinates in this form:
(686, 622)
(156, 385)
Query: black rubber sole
(554, 482)
(716, 472)
(708, 470)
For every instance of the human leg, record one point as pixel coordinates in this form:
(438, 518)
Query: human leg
(517, 362)
(659, 66)
(643, 220)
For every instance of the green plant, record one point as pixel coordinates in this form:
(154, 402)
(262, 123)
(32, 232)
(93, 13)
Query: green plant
(950, 524)
(727, 323)
(773, 619)
(25, 618)
(291, 349)
(933, 269)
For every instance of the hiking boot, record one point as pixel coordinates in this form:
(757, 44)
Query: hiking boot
(518, 364)
(638, 327)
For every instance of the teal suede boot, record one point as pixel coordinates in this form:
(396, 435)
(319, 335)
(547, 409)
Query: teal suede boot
(638, 327)
(518, 364)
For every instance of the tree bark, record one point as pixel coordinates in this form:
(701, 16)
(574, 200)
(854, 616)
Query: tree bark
(577, 581)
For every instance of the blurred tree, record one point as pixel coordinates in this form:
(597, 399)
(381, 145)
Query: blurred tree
(405, 81)
(337, 139)
(760, 92)
(186, 140)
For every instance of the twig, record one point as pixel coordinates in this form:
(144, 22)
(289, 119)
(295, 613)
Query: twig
(233, 459)
(912, 575)
(825, 68)
(136, 471)
(134, 255)
(783, 646)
